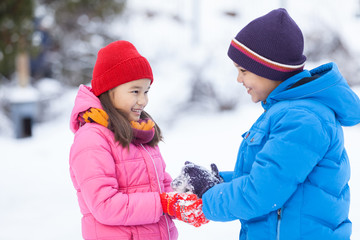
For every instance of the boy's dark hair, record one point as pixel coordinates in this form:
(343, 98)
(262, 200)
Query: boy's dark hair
(120, 125)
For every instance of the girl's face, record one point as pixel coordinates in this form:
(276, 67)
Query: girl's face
(131, 97)
(258, 87)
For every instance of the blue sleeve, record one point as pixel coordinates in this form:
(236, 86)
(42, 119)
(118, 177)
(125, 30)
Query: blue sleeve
(227, 175)
(296, 143)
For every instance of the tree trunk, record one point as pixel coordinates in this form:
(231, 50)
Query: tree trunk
(22, 69)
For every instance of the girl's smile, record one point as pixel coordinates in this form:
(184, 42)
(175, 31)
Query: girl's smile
(131, 97)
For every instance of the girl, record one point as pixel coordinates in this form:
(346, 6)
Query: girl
(291, 176)
(115, 163)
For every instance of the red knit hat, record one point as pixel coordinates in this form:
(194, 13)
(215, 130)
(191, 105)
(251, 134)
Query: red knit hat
(118, 63)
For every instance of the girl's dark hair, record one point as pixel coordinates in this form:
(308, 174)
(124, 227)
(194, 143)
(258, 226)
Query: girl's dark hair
(120, 125)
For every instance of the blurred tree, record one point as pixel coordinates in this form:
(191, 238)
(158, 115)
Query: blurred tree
(79, 29)
(323, 44)
(15, 33)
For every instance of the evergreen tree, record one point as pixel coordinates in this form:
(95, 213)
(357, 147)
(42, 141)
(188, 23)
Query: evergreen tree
(70, 32)
(16, 29)
(77, 22)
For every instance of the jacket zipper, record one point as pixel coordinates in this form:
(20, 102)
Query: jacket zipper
(158, 180)
(279, 215)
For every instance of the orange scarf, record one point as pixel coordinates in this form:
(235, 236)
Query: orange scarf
(143, 129)
(96, 115)
(100, 116)
(143, 125)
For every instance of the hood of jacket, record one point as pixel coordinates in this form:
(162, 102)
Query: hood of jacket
(84, 100)
(329, 88)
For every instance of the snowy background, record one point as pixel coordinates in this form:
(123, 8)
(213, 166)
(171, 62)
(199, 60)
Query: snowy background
(37, 198)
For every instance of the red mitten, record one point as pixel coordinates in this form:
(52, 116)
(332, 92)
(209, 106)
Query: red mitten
(185, 207)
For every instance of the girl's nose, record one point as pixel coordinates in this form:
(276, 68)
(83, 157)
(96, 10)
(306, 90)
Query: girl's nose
(142, 100)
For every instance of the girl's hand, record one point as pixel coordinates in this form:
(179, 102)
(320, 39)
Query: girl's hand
(185, 207)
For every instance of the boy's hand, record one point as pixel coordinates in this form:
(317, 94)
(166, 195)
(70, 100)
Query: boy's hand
(185, 207)
(196, 179)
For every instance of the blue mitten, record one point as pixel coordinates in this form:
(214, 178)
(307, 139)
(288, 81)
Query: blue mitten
(196, 179)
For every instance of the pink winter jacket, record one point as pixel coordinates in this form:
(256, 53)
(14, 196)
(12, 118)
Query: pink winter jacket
(117, 189)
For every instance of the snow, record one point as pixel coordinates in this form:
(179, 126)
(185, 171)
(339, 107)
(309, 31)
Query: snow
(38, 200)
(19, 94)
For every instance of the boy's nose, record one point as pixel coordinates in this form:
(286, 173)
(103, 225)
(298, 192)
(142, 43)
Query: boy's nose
(239, 79)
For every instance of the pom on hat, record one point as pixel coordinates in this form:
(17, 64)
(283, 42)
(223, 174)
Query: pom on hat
(118, 63)
(270, 46)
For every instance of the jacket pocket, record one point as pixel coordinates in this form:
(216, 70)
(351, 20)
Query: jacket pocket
(253, 143)
(253, 138)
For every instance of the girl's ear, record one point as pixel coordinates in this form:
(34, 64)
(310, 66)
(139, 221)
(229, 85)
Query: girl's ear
(111, 96)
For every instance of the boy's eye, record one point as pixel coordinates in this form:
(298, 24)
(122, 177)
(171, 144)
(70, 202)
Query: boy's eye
(242, 70)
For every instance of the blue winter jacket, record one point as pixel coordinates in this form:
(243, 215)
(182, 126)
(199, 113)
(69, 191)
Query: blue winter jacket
(292, 171)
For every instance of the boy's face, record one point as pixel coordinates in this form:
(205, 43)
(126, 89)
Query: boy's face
(258, 87)
(131, 98)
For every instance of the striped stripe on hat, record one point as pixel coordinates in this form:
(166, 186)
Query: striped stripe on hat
(264, 61)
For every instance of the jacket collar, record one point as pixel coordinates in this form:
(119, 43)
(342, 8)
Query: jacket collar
(272, 98)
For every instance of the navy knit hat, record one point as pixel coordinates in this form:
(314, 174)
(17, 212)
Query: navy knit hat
(270, 46)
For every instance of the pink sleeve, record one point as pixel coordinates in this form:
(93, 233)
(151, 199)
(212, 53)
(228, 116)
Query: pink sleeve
(93, 166)
(167, 179)
(167, 182)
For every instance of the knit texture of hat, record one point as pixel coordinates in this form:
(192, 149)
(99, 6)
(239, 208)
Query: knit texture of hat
(270, 46)
(118, 63)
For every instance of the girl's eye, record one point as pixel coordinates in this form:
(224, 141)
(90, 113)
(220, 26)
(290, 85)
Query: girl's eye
(242, 70)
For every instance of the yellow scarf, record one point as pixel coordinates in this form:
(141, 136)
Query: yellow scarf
(143, 125)
(96, 115)
(100, 116)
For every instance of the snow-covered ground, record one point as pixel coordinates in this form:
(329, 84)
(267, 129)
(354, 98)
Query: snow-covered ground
(39, 202)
